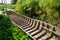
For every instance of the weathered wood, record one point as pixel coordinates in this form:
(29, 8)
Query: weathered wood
(36, 29)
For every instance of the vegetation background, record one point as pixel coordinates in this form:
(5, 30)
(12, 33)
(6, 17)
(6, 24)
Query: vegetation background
(45, 10)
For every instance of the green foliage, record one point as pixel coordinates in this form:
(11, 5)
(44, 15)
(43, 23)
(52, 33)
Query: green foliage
(51, 20)
(1, 7)
(10, 32)
(41, 17)
(40, 9)
(21, 4)
(8, 6)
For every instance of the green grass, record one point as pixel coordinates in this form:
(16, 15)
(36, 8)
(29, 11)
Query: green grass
(10, 32)
(1, 7)
(7, 6)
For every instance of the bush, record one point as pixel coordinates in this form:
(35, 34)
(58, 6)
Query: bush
(40, 9)
(10, 32)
